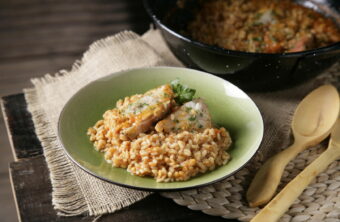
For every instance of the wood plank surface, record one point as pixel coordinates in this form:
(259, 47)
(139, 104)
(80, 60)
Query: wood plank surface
(7, 206)
(57, 27)
(44, 36)
(24, 142)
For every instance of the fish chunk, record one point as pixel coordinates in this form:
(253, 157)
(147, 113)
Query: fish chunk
(142, 111)
(191, 116)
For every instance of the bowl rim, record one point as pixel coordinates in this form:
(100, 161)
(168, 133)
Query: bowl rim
(221, 50)
(256, 144)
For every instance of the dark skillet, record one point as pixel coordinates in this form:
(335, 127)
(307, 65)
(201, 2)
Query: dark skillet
(251, 71)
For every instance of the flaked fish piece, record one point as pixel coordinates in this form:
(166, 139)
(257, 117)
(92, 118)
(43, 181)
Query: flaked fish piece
(138, 113)
(191, 116)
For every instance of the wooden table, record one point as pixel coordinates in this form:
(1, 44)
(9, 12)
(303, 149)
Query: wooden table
(41, 36)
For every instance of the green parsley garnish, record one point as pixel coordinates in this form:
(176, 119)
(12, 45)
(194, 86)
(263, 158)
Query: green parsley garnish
(183, 93)
(192, 118)
(257, 38)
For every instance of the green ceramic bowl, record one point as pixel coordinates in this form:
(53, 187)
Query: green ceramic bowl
(229, 106)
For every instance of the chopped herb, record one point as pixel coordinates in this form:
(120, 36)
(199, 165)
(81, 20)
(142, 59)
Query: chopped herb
(311, 16)
(257, 38)
(200, 126)
(166, 95)
(273, 38)
(141, 105)
(183, 93)
(274, 13)
(176, 121)
(188, 109)
(258, 15)
(192, 118)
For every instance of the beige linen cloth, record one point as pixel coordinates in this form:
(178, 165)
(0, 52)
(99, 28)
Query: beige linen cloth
(76, 192)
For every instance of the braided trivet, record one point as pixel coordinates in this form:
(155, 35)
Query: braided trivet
(320, 201)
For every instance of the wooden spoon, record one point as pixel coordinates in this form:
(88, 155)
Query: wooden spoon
(312, 122)
(280, 204)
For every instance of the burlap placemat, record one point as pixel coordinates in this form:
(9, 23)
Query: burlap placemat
(75, 192)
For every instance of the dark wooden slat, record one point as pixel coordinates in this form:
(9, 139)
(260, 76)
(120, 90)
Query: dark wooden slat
(6, 196)
(32, 188)
(40, 3)
(43, 15)
(68, 18)
(54, 43)
(15, 73)
(64, 7)
(66, 45)
(20, 126)
(53, 32)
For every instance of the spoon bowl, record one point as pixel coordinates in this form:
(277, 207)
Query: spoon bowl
(310, 120)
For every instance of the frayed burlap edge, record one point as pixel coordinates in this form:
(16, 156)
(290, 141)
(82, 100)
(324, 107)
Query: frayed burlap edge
(67, 196)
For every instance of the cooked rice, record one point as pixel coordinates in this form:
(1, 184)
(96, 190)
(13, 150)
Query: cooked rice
(261, 26)
(166, 157)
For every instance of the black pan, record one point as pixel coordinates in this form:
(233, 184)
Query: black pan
(250, 71)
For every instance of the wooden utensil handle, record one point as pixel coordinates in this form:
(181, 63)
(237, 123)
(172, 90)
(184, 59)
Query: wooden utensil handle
(280, 204)
(286, 155)
(267, 179)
